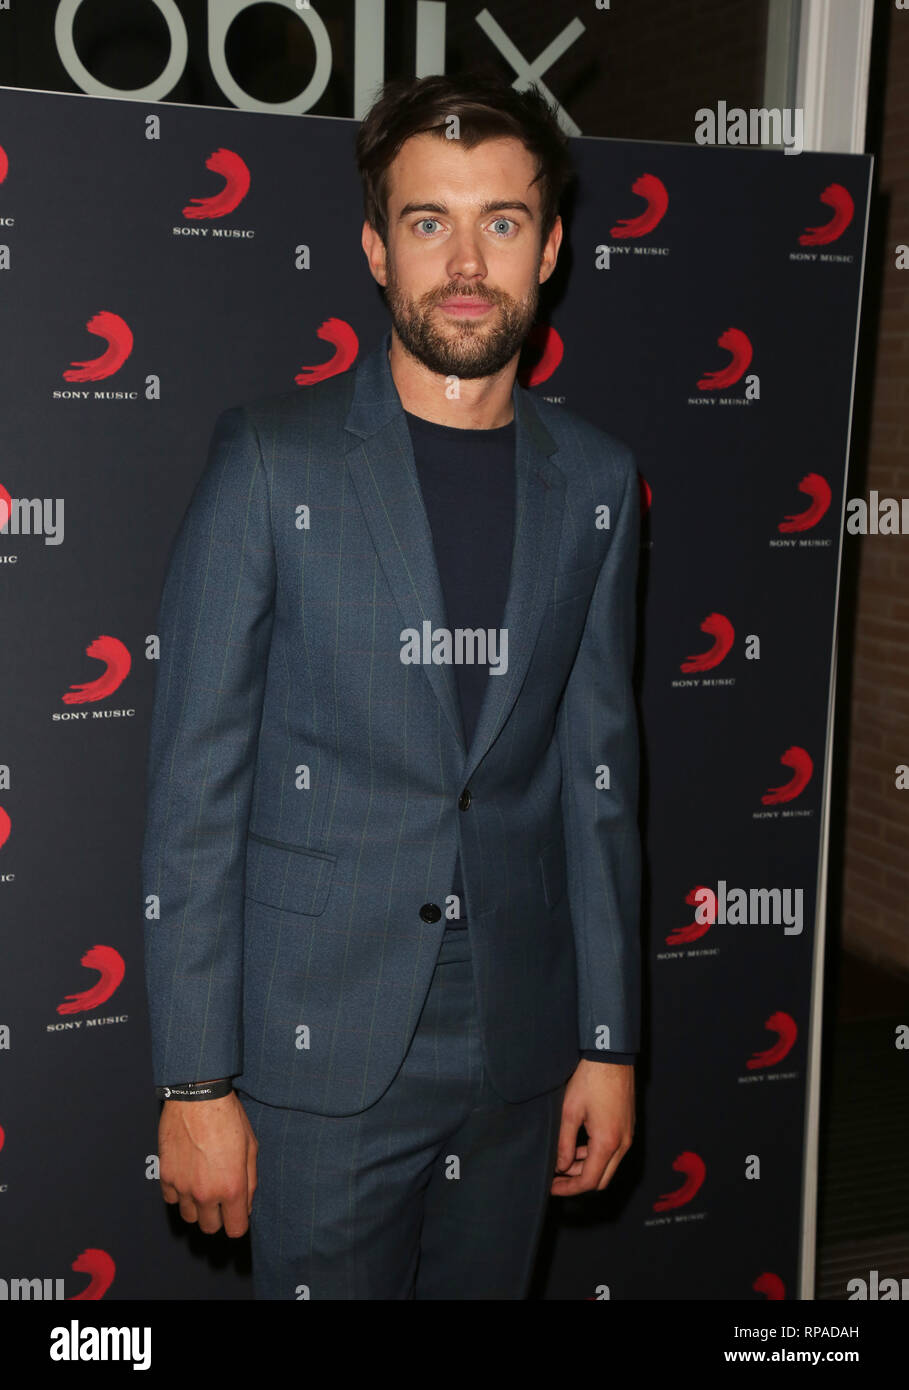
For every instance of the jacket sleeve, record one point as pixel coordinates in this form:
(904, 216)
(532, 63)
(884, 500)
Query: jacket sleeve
(596, 728)
(214, 625)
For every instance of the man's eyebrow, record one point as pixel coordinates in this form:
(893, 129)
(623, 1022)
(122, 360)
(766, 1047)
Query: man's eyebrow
(491, 205)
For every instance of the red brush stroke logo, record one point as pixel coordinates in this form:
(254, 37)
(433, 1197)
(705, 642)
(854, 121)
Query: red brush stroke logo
(818, 489)
(651, 188)
(119, 337)
(784, 1027)
(840, 199)
(111, 968)
(802, 767)
(770, 1285)
(693, 1166)
(5, 826)
(694, 929)
(117, 661)
(100, 1268)
(2, 1137)
(723, 633)
(738, 345)
(346, 345)
(235, 173)
(6, 507)
(544, 338)
(646, 494)
(4, 164)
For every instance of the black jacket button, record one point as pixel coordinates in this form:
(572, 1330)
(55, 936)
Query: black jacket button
(430, 912)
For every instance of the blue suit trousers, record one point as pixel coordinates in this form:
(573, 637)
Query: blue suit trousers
(438, 1190)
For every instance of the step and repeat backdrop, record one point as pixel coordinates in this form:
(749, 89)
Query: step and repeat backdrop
(160, 263)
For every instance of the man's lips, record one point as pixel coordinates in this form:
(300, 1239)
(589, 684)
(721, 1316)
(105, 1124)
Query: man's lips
(471, 307)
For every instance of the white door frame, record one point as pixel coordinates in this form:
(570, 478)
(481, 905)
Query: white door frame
(818, 58)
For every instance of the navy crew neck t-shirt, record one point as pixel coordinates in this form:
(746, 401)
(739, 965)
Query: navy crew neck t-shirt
(467, 478)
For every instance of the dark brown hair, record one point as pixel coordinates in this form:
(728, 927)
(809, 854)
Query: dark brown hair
(486, 108)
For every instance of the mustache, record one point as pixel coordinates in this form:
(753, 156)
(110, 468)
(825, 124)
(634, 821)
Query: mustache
(454, 292)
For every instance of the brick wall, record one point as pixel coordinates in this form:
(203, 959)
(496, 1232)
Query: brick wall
(873, 700)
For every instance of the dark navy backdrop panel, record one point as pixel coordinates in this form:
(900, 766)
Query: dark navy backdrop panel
(267, 290)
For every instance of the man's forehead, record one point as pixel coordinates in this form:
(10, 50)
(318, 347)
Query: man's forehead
(440, 157)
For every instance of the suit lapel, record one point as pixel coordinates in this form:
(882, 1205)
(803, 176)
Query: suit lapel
(539, 503)
(384, 474)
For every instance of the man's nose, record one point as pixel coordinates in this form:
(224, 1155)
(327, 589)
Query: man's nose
(465, 259)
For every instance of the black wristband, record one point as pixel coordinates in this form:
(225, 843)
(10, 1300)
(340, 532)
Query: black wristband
(196, 1090)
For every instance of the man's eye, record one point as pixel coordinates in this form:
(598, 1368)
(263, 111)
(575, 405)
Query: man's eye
(501, 222)
(423, 220)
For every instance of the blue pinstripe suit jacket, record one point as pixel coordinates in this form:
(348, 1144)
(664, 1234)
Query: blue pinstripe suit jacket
(305, 794)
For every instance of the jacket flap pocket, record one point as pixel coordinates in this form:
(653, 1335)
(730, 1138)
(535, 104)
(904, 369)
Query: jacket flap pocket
(290, 877)
(574, 583)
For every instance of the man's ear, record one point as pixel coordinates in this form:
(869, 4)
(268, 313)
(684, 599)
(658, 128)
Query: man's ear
(374, 250)
(550, 253)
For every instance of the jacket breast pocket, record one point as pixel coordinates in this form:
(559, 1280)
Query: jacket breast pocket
(553, 872)
(575, 583)
(289, 877)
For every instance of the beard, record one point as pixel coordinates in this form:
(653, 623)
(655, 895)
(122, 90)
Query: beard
(466, 348)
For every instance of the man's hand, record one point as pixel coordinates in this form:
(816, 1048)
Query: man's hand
(599, 1096)
(207, 1152)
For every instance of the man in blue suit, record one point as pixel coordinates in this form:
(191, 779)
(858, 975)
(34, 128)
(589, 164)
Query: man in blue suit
(392, 864)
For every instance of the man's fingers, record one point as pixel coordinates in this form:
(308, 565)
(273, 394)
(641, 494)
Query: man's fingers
(568, 1138)
(598, 1154)
(251, 1178)
(620, 1151)
(604, 1152)
(169, 1192)
(236, 1215)
(568, 1173)
(611, 1166)
(232, 1214)
(600, 1151)
(209, 1217)
(188, 1209)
